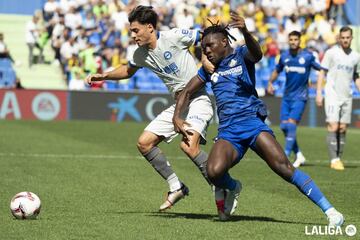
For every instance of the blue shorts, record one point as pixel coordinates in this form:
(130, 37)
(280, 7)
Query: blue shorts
(292, 109)
(243, 134)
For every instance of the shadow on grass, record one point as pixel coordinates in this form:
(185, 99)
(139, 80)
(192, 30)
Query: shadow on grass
(213, 217)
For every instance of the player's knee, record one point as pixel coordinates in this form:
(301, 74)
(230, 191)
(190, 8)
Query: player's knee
(333, 127)
(284, 168)
(143, 146)
(214, 170)
(190, 149)
(342, 128)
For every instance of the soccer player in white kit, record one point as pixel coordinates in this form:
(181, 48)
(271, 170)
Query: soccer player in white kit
(167, 54)
(343, 66)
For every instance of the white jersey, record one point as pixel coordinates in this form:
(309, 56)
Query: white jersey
(341, 68)
(171, 59)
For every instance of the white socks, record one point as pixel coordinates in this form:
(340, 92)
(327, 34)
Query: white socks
(174, 183)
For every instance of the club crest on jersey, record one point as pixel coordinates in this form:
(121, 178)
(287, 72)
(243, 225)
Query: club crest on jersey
(214, 77)
(167, 55)
(301, 60)
(232, 63)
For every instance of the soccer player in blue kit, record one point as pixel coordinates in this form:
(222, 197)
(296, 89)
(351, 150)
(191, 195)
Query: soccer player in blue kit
(241, 120)
(297, 64)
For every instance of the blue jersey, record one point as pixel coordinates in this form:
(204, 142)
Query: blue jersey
(297, 70)
(233, 84)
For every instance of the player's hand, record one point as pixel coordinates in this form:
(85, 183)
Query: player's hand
(94, 78)
(319, 100)
(237, 21)
(208, 66)
(179, 126)
(270, 88)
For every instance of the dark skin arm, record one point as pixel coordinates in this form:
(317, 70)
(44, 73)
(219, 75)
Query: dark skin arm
(255, 53)
(182, 102)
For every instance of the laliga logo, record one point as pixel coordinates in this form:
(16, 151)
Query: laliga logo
(45, 106)
(350, 230)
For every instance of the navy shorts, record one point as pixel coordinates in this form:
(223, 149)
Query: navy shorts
(292, 109)
(243, 134)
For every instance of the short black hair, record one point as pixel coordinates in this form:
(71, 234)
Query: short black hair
(345, 29)
(144, 15)
(295, 33)
(217, 28)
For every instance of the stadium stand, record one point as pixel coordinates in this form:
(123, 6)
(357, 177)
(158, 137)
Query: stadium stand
(7, 74)
(88, 36)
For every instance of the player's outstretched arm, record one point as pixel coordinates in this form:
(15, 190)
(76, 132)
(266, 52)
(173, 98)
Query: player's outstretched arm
(183, 101)
(319, 87)
(122, 72)
(255, 53)
(273, 77)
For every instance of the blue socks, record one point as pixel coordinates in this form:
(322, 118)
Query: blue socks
(225, 182)
(307, 186)
(290, 138)
(283, 127)
(296, 147)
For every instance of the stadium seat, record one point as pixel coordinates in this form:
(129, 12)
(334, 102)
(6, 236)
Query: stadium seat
(7, 74)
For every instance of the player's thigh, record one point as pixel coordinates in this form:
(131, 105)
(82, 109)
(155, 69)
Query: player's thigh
(285, 110)
(222, 157)
(345, 112)
(199, 115)
(297, 109)
(269, 149)
(332, 109)
(191, 145)
(163, 126)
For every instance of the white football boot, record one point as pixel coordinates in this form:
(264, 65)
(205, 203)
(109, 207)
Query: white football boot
(174, 197)
(336, 219)
(299, 160)
(231, 198)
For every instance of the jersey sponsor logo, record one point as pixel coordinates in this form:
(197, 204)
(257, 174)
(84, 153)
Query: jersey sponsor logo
(171, 68)
(348, 69)
(232, 63)
(167, 55)
(300, 70)
(301, 60)
(187, 32)
(236, 70)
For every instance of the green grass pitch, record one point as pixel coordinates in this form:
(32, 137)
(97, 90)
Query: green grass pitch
(95, 185)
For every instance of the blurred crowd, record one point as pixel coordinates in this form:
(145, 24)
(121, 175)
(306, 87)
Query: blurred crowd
(89, 36)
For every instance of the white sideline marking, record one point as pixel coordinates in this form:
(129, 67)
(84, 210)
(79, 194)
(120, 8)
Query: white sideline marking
(100, 156)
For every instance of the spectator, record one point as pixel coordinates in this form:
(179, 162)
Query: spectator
(32, 36)
(49, 9)
(4, 52)
(73, 19)
(293, 24)
(184, 20)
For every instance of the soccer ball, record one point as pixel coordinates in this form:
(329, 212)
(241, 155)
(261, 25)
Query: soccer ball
(25, 205)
